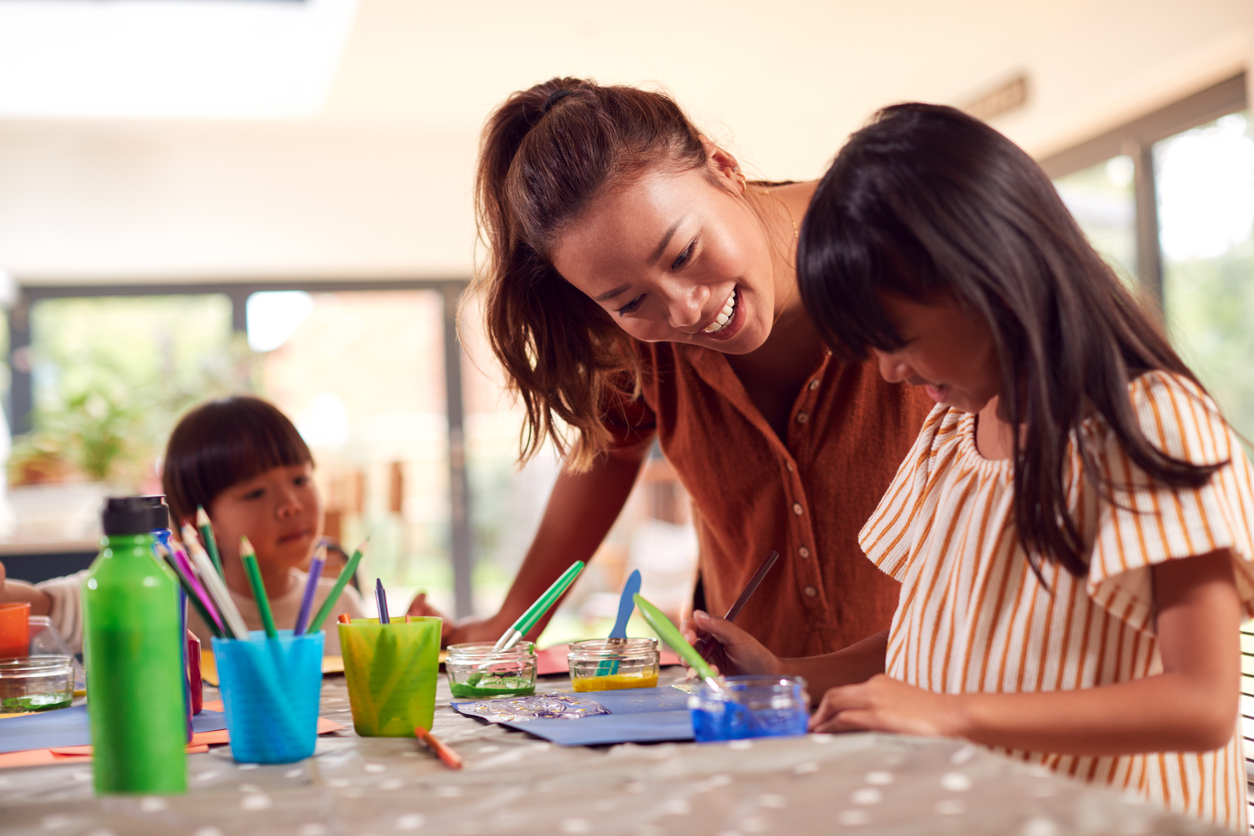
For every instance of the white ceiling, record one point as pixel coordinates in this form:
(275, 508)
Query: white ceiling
(193, 138)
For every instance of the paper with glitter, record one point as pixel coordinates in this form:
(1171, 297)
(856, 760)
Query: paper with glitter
(534, 707)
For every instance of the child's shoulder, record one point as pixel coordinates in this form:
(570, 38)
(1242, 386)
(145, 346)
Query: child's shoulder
(1177, 416)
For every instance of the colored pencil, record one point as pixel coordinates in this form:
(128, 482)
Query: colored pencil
(183, 566)
(201, 607)
(344, 618)
(249, 557)
(206, 535)
(340, 583)
(450, 758)
(214, 585)
(381, 598)
(306, 602)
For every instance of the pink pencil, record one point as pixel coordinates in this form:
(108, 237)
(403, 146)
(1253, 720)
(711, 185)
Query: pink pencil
(186, 565)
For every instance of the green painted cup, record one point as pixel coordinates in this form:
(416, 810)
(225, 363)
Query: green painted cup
(391, 671)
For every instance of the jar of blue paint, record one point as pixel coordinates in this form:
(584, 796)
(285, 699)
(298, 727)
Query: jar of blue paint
(749, 706)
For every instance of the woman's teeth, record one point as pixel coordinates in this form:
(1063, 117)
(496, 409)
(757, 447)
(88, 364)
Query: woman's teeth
(724, 316)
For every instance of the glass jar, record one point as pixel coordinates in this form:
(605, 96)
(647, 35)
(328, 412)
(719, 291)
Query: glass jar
(611, 664)
(476, 671)
(749, 706)
(36, 683)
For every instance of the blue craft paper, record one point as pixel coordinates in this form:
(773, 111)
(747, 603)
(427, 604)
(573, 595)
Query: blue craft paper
(650, 727)
(637, 715)
(69, 727)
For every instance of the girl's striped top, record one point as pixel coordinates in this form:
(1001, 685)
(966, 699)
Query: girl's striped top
(973, 617)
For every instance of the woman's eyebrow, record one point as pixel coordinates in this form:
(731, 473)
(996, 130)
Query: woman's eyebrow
(610, 294)
(666, 239)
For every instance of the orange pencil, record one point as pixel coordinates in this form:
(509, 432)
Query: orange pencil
(451, 759)
(344, 619)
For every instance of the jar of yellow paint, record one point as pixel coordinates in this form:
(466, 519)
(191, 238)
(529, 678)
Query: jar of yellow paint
(611, 664)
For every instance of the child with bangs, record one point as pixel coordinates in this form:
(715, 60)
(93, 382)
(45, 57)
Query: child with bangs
(1071, 529)
(243, 461)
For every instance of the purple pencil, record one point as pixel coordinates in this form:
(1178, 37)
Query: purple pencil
(306, 602)
(381, 598)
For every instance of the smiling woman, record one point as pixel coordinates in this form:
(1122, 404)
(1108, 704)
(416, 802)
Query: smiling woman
(641, 288)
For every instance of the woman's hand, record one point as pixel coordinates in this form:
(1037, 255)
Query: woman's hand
(888, 705)
(420, 607)
(734, 651)
(467, 630)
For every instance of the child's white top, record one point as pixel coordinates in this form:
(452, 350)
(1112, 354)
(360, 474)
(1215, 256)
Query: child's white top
(66, 594)
(284, 609)
(974, 618)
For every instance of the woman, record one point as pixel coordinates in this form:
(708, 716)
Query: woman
(640, 287)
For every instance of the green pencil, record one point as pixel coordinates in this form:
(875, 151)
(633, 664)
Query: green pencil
(259, 589)
(345, 576)
(206, 534)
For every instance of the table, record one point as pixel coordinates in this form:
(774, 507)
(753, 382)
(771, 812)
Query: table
(514, 783)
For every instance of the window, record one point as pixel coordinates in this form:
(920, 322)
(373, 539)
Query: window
(1169, 200)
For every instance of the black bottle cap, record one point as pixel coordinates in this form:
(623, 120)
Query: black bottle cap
(127, 515)
(160, 512)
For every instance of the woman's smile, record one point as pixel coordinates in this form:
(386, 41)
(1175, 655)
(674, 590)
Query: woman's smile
(727, 323)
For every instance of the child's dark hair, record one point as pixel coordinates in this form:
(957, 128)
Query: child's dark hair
(222, 443)
(931, 204)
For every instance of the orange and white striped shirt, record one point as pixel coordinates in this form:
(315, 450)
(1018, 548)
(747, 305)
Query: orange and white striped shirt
(974, 618)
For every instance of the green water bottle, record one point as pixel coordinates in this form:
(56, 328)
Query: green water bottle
(133, 649)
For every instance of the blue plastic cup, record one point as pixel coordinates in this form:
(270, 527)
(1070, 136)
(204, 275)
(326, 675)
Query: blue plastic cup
(749, 706)
(270, 688)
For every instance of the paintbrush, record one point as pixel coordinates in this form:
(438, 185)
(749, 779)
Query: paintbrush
(311, 587)
(206, 535)
(670, 634)
(537, 610)
(705, 644)
(340, 583)
(249, 558)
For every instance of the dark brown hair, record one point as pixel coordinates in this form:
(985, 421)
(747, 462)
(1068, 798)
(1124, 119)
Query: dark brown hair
(222, 443)
(931, 204)
(546, 154)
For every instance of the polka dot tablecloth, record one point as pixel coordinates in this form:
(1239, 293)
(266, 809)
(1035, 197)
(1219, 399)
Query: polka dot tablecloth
(514, 783)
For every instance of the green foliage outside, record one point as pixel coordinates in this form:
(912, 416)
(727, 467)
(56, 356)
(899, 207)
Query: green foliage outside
(1210, 310)
(112, 375)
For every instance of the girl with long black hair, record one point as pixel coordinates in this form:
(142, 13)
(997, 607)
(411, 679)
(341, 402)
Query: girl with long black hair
(1072, 526)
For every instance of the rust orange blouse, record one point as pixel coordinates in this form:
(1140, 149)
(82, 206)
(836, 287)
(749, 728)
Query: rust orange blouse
(807, 496)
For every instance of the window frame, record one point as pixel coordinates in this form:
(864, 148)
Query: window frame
(1136, 139)
(20, 399)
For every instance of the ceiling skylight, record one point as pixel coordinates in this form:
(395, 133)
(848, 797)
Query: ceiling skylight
(159, 59)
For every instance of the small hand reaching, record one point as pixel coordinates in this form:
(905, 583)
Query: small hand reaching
(731, 650)
(889, 705)
(420, 607)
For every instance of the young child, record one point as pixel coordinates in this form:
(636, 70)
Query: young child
(245, 463)
(1072, 527)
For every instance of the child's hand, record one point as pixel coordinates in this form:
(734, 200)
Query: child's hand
(420, 607)
(889, 705)
(734, 651)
